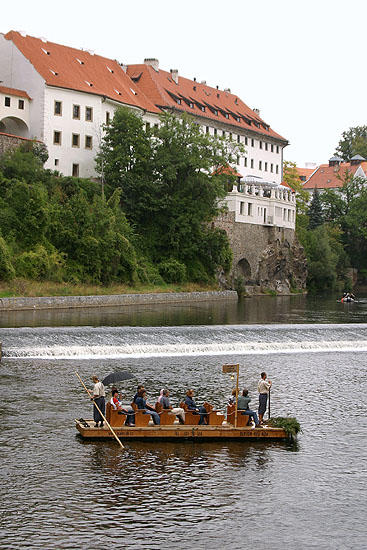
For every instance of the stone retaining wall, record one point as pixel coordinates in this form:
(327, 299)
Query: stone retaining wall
(66, 302)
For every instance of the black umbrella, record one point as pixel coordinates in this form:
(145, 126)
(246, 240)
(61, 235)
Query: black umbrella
(117, 376)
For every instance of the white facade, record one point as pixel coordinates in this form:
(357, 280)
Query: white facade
(14, 113)
(263, 204)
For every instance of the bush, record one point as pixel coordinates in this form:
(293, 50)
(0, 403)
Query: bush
(172, 271)
(197, 273)
(39, 265)
(7, 271)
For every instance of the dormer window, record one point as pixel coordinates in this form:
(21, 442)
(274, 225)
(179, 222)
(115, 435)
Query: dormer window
(215, 112)
(88, 83)
(111, 70)
(80, 62)
(118, 93)
(134, 92)
(178, 101)
(191, 105)
(203, 108)
(54, 72)
(226, 115)
(45, 51)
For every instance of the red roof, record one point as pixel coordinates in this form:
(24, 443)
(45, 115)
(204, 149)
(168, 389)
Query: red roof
(13, 91)
(330, 177)
(305, 172)
(66, 67)
(227, 170)
(198, 99)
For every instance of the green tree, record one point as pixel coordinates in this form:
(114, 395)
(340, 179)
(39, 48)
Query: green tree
(291, 177)
(353, 142)
(315, 213)
(321, 260)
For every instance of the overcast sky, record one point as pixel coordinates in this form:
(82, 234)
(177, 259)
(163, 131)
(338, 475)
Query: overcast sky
(300, 63)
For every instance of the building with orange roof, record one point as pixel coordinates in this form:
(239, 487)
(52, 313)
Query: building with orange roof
(331, 175)
(70, 92)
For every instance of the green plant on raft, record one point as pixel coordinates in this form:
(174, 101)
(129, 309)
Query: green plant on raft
(289, 424)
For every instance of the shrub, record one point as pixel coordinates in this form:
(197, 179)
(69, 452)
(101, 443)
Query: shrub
(39, 265)
(7, 271)
(172, 271)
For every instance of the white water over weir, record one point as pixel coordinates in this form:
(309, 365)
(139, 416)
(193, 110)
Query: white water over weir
(135, 342)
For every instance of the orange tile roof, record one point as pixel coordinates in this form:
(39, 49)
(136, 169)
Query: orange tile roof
(162, 90)
(306, 172)
(66, 67)
(13, 91)
(328, 177)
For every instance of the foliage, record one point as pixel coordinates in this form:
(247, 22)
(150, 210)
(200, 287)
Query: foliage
(239, 286)
(353, 142)
(315, 214)
(291, 177)
(321, 260)
(172, 271)
(38, 149)
(38, 264)
(169, 191)
(6, 268)
(289, 424)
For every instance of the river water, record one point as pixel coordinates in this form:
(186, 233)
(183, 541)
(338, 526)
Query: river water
(61, 492)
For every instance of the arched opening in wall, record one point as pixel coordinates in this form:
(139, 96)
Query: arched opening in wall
(14, 126)
(243, 269)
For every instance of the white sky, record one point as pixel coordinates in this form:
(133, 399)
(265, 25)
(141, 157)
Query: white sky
(300, 63)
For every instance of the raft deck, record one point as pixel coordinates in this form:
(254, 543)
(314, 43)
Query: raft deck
(175, 431)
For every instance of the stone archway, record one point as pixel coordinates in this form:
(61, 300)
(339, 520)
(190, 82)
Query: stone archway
(14, 126)
(243, 269)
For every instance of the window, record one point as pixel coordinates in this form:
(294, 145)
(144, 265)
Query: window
(58, 108)
(76, 112)
(277, 169)
(249, 209)
(252, 143)
(238, 139)
(271, 167)
(89, 142)
(246, 141)
(7, 102)
(215, 112)
(260, 144)
(245, 162)
(207, 130)
(230, 136)
(75, 171)
(57, 137)
(272, 148)
(56, 162)
(242, 204)
(156, 126)
(252, 163)
(266, 167)
(89, 114)
(191, 105)
(277, 149)
(21, 104)
(178, 101)
(147, 126)
(108, 117)
(260, 165)
(223, 133)
(75, 140)
(215, 131)
(238, 159)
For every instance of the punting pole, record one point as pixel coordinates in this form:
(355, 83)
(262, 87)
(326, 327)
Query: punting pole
(236, 412)
(269, 404)
(100, 412)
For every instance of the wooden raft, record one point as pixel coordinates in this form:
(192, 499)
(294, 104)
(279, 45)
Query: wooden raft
(178, 431)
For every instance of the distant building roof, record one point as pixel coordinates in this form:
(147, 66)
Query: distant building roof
(330, 177)
(80, 70)
(168, 90)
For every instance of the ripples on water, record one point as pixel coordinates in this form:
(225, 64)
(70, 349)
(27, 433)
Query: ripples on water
(60, 492)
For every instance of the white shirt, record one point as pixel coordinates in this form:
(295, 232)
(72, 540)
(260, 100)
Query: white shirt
(98, 390)
(263, 386)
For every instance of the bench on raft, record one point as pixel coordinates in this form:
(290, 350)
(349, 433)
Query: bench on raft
(242, 419)
(214, 417)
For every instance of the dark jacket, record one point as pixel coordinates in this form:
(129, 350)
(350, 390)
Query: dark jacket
(165, 402)
(142, 404)
(191, 405)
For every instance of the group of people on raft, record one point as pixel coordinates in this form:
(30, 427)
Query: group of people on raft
(140, 399)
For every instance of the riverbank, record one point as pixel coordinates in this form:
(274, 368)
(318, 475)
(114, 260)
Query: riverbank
(67, 302)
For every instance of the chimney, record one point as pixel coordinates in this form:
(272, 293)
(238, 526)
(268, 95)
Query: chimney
(335, 161)
(357, 159)
(257, 112)
(153, 62)
(174, 75)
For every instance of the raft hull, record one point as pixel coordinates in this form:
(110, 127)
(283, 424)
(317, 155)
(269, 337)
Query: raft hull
(178, 431)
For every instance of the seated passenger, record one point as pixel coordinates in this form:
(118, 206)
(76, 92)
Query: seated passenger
(140, 387)
(232, 397)
(191, 405)
(141, 403)
(242, 405)
(178, 411)
(160, 396)
(118, 406)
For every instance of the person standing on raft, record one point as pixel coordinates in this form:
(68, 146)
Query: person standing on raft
(263, 388)
(99, 395)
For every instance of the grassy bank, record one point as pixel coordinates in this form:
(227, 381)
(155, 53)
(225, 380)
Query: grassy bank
(28, 288)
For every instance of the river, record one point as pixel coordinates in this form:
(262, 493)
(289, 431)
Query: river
(60, 492)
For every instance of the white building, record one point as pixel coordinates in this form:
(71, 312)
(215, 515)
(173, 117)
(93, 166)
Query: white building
(68, 94)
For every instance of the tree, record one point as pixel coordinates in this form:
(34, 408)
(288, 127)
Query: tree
(353, 142)
(291, 177)
(171, 190)
(315, 213)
